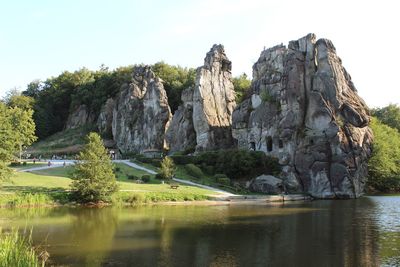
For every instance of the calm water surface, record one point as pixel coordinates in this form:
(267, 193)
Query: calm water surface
(363, 232)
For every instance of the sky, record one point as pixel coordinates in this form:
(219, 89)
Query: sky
(42, 38)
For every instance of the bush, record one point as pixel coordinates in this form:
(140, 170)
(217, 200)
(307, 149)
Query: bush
(224, 180)
(194, 171)
(159, 176)
(132, 177)
(156, 163)
(182, 159)
(146, 178)
(208, 169)
(24, 163)
(15, 164)
(239, 163)
(117, 169)
(219, 175)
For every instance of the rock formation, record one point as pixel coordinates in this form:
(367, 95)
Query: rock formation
(181, 135)
(79, 117)
(304, 110)
(104, 121)
(141, 113)
(207, 108)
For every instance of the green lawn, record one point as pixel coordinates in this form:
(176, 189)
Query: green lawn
(56, 181)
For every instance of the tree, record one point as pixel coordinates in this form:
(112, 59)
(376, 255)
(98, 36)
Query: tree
(176, 79)
(17, 129)
(241, 86)
(94, 177)
(389, 115)
(167, 168)
(384, 164)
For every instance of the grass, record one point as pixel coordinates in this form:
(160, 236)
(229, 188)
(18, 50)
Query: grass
(28, 165)
(16, 250)
(64, 142)
(51, 186)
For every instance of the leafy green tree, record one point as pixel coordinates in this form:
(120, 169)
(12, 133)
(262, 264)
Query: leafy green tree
(389, 115)
(168, 169)
(94, 177)
(14, 98)
(176, 79)
(384, 164)
(241, 86)
(17, 129)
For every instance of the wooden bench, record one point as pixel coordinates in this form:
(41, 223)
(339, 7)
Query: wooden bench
(174, 186)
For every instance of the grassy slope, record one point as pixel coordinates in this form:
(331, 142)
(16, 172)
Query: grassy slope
(67, 141)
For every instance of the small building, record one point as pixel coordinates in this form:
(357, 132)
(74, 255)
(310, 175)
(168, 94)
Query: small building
(153, 153)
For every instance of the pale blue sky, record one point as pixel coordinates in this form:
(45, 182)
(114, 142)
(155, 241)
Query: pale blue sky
(42, 38)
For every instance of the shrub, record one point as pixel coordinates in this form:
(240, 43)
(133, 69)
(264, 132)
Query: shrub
(146, 178)
(159, 176)
(238, 163)
(193, 170)
(117, 169)
(15, 163)
(224, 180)
(132, 177)
(208, 169)
(24, 163)
(182, 159)
(156, 163)
(219, 175)
(136, 199)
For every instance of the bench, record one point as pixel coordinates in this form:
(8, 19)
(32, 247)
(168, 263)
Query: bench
(174, 186)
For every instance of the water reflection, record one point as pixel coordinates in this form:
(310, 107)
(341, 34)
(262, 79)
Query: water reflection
(320, 233)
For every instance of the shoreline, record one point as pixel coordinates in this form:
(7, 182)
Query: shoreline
(215, 201)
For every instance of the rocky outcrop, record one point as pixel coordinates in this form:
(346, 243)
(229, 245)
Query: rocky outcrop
(207, 108)
(267, 184)
(304, 110)
(141, 113)
(79, 117)
(104, 121)
(214, 101)
(181, 135)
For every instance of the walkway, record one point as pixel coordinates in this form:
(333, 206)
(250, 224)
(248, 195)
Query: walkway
(219, 191)
(59, 163)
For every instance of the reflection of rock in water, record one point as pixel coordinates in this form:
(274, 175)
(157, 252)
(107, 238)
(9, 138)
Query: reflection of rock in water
(337, 233)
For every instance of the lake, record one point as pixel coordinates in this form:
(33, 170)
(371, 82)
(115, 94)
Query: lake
(362, 232)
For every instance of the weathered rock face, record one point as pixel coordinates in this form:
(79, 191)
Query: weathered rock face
(104, 121)
(141, 113)
(79, 117)
(181, 134)
(204, 120)
(305, 110)
(267, 184)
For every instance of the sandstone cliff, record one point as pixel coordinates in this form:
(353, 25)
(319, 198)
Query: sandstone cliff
(206, 113)
(80, 116)
(304, 110)
(141, 113)
(104, 121)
